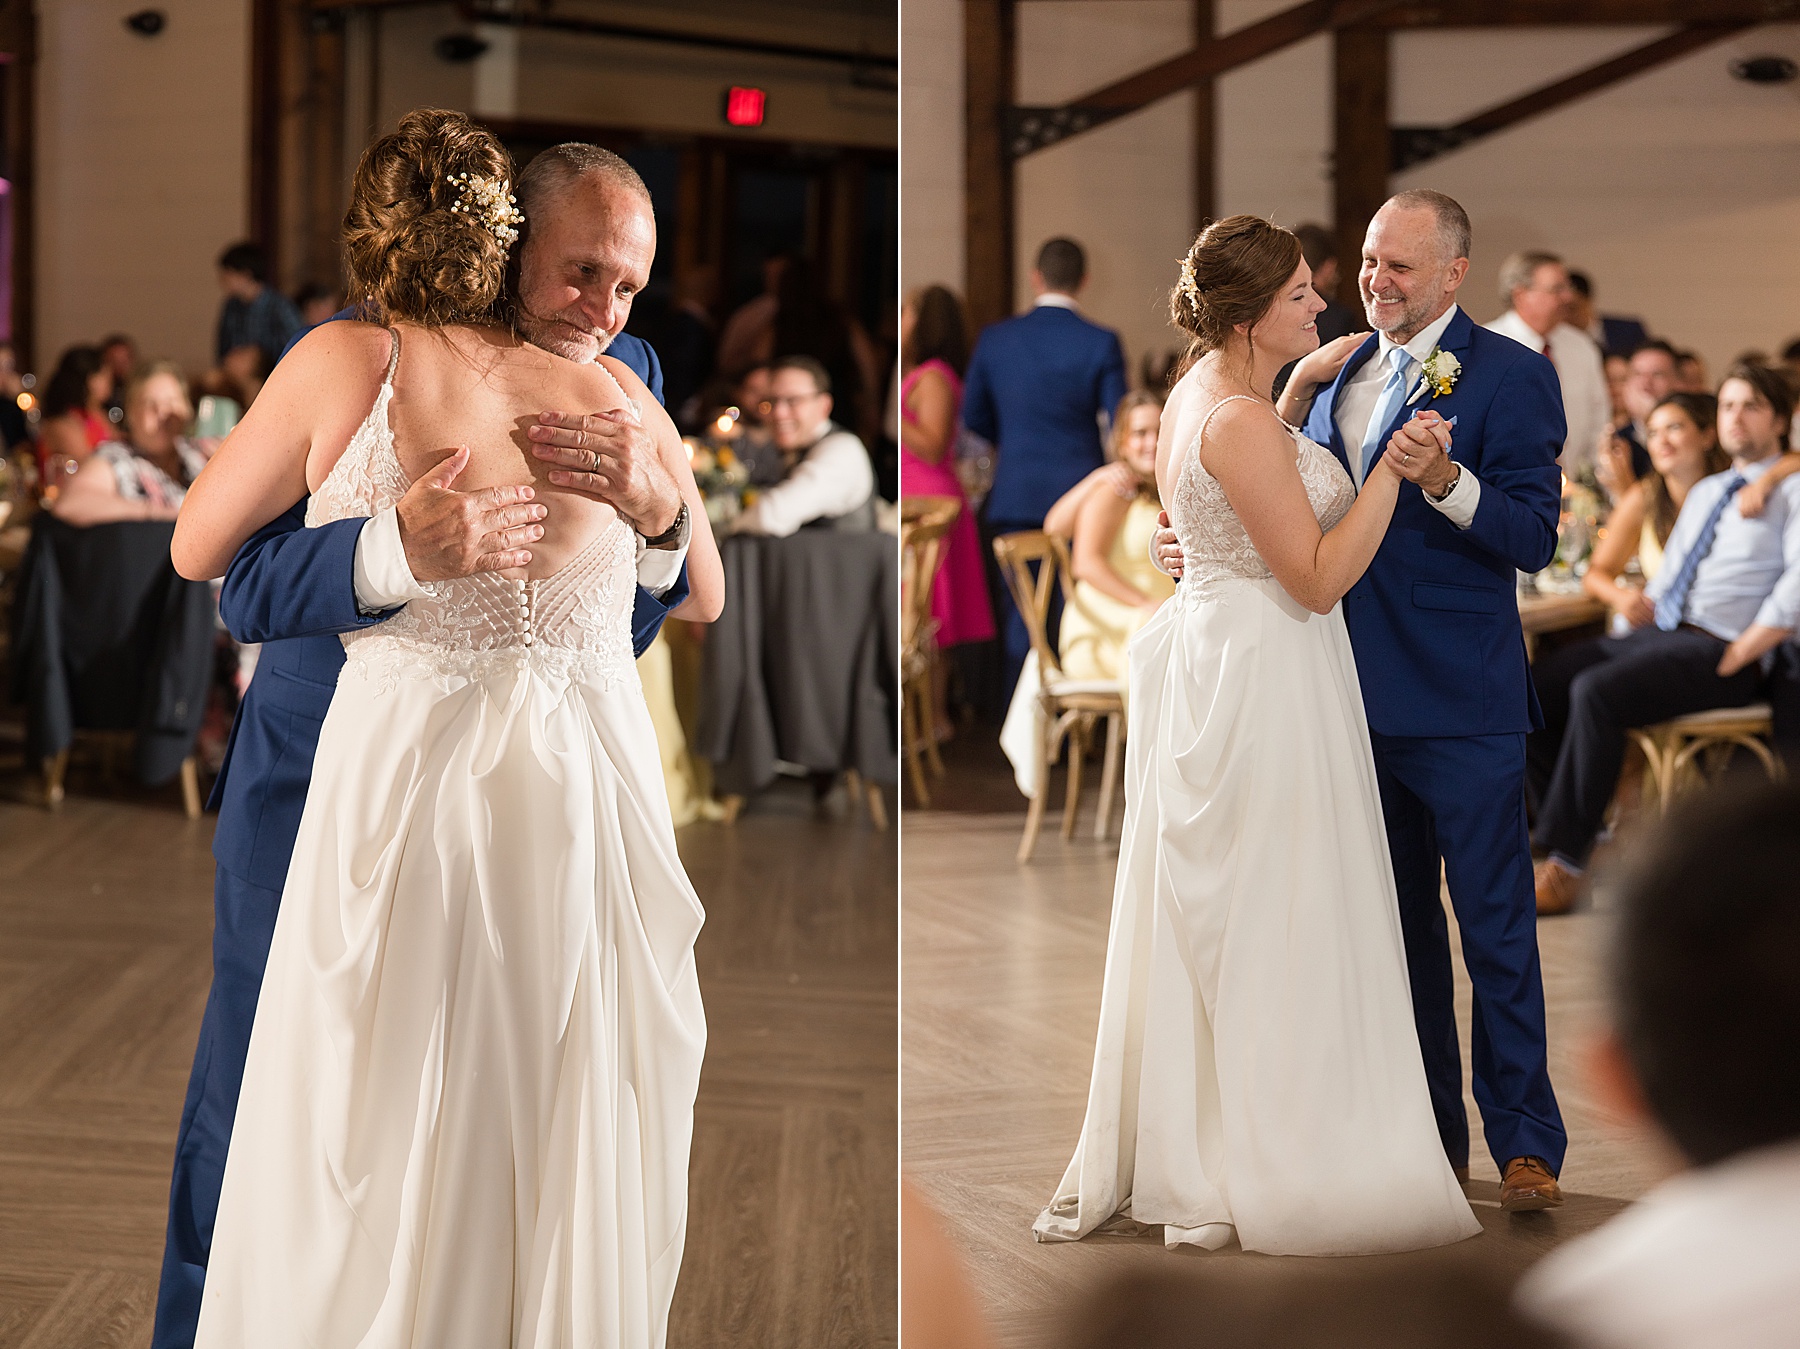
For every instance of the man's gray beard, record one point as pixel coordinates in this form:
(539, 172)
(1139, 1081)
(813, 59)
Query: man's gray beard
(545, 333)
(1412, 322)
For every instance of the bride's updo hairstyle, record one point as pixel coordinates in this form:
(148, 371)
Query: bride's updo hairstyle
(1231, 275)
(409, 253)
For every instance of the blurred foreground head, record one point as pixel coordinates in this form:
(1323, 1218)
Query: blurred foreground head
(1435, 1303)
(1706, 984)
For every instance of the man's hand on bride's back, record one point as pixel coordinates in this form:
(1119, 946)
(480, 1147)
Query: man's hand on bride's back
(610, 456)
(447, 533)
(1165, 548)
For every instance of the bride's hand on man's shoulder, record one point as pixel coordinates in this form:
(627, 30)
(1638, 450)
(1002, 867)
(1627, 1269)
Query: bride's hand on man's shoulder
(1321, 366)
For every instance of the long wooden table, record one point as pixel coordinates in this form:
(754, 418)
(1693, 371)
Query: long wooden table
(1539, 614)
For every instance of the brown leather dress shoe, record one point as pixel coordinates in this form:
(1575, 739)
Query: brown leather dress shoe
(1461, 1173)
(1526, 1186)
(1558, 888)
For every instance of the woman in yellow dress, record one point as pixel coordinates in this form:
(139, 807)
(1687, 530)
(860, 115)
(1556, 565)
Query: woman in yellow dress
(1116, 587)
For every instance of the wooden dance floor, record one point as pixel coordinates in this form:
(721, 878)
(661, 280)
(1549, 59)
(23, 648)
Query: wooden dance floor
(1000, 998)
(105, 925)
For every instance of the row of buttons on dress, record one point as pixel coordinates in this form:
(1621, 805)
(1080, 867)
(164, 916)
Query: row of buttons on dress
(527, 595)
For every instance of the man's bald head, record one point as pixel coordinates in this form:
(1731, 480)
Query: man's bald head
(552, 173)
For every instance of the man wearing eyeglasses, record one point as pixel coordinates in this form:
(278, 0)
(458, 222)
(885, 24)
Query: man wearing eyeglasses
(827, 478)
(1536, 287)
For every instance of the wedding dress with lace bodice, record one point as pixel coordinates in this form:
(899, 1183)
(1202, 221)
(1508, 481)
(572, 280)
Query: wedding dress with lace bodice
(468, 1101)
(1256, 1073)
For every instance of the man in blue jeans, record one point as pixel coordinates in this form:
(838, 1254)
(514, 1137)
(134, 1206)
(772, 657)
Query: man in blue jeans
(585, 253)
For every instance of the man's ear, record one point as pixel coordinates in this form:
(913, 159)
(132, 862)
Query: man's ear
(828, 403)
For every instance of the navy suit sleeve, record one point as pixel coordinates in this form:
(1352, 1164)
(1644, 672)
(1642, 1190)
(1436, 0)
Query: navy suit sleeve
(290, 581)
(653, 374)
(1112, 377)
(1521, 486)
(648, 612)
(978, 397)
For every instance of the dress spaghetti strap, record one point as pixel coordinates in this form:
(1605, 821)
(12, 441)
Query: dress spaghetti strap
(393, 359)
(1206, 421)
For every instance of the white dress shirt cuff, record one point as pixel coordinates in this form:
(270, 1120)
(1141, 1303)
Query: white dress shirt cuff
(659, 568)
(1460, 501)
(382, 578)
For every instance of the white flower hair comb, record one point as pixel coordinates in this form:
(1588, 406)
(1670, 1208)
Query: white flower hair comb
(491, 203)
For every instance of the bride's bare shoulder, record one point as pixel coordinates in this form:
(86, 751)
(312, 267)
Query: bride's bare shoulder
(334, 348)
(1236, 430)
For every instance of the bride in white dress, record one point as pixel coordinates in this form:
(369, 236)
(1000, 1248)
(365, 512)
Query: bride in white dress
(1257, 1073)
(468, 1102)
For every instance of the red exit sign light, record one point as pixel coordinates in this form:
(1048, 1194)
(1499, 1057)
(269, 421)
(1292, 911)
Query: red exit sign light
(745, 106)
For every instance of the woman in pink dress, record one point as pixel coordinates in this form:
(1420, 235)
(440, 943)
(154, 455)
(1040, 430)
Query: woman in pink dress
(934, 349)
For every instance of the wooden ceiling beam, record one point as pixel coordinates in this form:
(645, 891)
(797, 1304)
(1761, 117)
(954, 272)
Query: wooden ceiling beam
(1583, 13)
(1416, 145)
(1034, 128)
(1539, 13)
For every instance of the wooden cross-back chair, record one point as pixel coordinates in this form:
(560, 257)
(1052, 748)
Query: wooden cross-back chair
(925, 522)
(1033, 564)
(1700, 744)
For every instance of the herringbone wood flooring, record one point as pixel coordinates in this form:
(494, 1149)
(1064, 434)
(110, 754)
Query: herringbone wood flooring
(105, 925)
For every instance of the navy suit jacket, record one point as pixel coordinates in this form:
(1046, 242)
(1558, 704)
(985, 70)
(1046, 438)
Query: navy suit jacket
(292, 589)
(1435, 620)
(1035, 385)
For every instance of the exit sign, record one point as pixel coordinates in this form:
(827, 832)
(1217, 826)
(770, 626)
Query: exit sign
(745, 106)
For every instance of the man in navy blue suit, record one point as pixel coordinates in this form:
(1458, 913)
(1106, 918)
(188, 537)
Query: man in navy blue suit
(1038, 386)
(586, 252)
(1440, 654)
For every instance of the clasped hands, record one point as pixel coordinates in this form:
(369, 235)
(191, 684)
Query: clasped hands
(606, 455)
(1418, 451)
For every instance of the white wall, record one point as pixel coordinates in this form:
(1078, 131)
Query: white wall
(1125, 190)
(1677, 191)
(142, 172)
(540, 75)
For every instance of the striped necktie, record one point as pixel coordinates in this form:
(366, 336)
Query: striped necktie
(1672, 607)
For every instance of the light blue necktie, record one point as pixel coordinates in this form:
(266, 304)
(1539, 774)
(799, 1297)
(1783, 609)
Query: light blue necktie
(1392, 393)
(1672, 607)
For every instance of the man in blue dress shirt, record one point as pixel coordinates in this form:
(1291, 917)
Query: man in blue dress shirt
(585, 253)
(1039, 386)
(1726, 596)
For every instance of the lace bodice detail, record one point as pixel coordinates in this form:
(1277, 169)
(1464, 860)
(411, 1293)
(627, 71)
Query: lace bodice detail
(1213, 540)
(575, 623)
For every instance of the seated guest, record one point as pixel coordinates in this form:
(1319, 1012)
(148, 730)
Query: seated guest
(1727, 594)
(1655, 374)
(828, 479)
(146, 475)
(1117, 587)
(1684, 448)
(1705, 1012)
(74, 411)
(317, 304)
(1060, 519)
(1618, 371)
(1690, 370)
(1536, 288)
(934, 347)
(121, 356)
(254, 313)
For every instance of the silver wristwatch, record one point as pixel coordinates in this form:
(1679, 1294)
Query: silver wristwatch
(670, 537)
